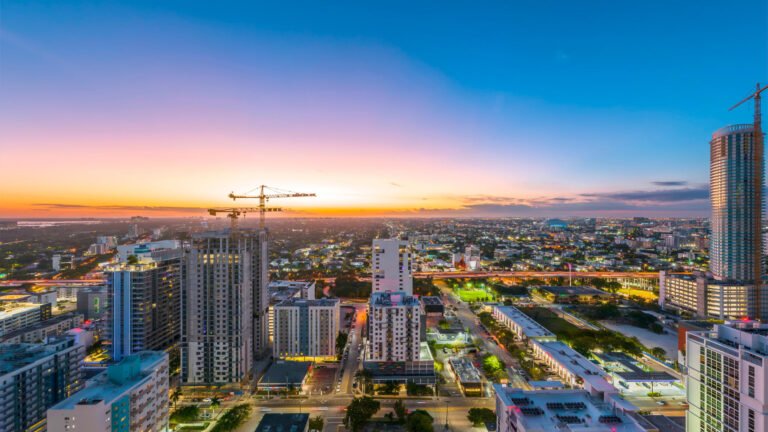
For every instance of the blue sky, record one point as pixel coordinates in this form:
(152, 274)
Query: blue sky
(499, 108)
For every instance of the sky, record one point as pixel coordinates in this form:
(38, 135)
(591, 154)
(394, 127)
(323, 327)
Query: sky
(513, 108)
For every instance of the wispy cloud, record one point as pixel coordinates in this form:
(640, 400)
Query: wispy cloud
(670, 183)
(660, 195)
(65, 206)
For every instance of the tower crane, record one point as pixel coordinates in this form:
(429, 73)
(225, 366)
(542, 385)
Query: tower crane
(757, 160)
(234, 213)
(263, 198)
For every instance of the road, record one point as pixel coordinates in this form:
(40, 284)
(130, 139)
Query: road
(470, 321)
(332, 409)
(353, 362)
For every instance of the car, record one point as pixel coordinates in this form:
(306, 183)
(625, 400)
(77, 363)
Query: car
(662, 403)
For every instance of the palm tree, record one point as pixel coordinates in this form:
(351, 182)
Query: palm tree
(175, 396)
(215, 403)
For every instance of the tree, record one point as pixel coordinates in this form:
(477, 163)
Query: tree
(215, 403)
(659, 352)
(175, 396)
(233, 418)
(132, 260)
(316, 423)
(341, 343)
(480, 416)
(187, 414)
(419, 421)
(400, 410)
(366, 379)
(359, 411)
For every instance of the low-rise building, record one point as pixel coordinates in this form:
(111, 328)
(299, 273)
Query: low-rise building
(285, 375)
(575, 369)
(525, 327)
(559, 410)
(273, 422)
(129, 396)
(34, 377)
(468, 377)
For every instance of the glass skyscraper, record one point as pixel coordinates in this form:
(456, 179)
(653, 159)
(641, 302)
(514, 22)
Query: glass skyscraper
(736, 194)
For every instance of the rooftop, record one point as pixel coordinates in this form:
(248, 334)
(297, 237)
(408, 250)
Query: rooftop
(293, 301)
(592, 374)
(8, 310)
(574, 410)
(431, 300)
(116, 380)
(530, 328)
(272, 422)
(284, 372)
(465, 370)
(628, 369)
(573, 290)
(18, 356)
(394, 298)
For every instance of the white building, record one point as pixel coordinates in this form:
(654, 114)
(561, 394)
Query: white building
(62, 261)
(306, 328)
(129, 396)
(224, 306)
(525, 327)
(145, 249)
(394, 327)
(727, 379)
(34, 377)
(392, 269)
(560, 410)
(704, 297)
(14, 316)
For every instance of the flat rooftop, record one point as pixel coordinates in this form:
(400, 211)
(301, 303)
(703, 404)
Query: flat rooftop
(394, 298)
(530, 328)
(465, 370)
(18, 356)
(293, 301)
(627, 368)
(273, 422)
(573, 410)
(573, 290)
(104, 388)
(592, 374)
(284, 372)
(8, 310)
(431, 300)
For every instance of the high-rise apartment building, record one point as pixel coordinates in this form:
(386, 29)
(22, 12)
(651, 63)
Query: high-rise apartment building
(34, 377)
(145, 297)
(306, 328)
(129, 396)
(736, 193)
(394, 327)
(392, 269)
(727, 378)
(735, 288)
(224, 306)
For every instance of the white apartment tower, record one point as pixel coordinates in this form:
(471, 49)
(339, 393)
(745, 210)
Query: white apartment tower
(391, 266)
(224, 306)
(727, 380)
(306, 328)
(394, 327)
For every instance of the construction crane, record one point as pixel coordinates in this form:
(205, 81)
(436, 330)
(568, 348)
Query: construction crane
(234, 213)
(757, 160)
(263, 198)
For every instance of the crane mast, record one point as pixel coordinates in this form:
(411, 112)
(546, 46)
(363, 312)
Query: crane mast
(264, 198)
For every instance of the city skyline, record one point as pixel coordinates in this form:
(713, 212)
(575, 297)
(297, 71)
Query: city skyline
(486, 111)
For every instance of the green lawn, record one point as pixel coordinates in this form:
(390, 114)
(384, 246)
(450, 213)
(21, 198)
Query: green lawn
(473, 294)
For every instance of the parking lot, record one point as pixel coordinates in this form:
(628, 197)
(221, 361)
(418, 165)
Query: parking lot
(322, 380)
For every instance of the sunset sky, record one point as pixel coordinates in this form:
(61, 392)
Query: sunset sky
(535, 108)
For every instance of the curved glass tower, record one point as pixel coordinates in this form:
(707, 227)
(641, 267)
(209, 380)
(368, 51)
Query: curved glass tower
(736, 179)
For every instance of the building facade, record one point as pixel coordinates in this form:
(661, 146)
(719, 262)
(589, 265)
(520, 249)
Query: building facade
(129, 396)
(224, 306)
(392, 268)
(15, 316)
(394, 327)
(34, 377)
(306, 328)
(727, 380)
(145, 303)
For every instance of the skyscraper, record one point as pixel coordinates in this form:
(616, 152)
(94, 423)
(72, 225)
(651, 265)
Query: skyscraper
(394, 327)
(391, 265)
(736, 194)
(145, 301)
(224, 306)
